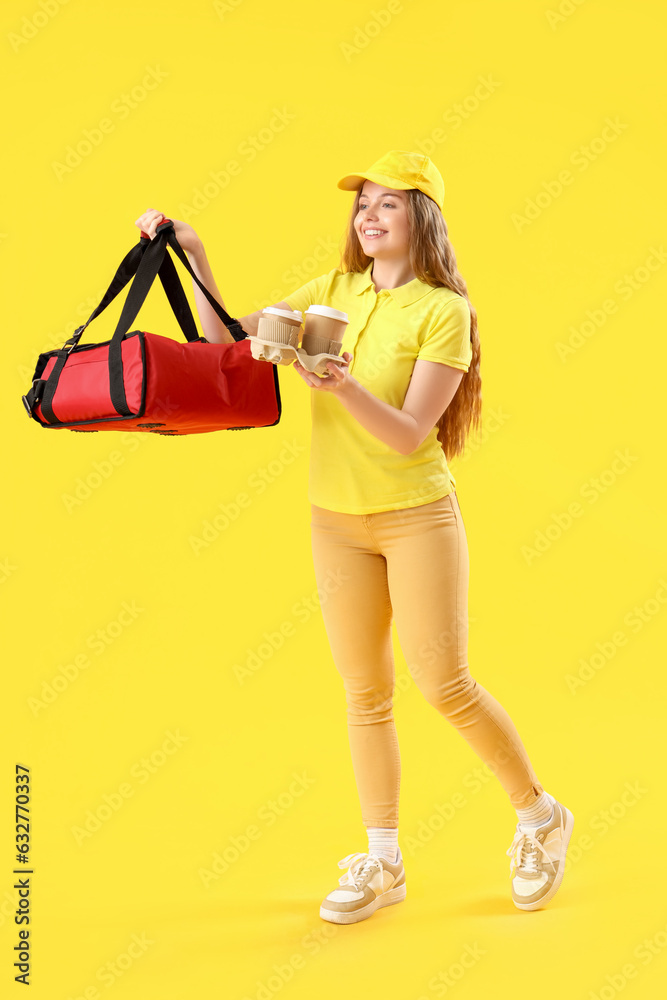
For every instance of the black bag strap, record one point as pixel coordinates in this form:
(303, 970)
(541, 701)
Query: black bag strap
(170, 282)
(233, 325)
(177, 299)
(126, 270)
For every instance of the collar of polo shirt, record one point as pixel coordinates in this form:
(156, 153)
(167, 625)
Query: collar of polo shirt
(403, 295)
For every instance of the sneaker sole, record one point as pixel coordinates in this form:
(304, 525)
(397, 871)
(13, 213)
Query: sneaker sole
(351, 917)
(567, 833)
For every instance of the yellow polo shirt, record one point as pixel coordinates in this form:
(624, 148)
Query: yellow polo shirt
(351, 470)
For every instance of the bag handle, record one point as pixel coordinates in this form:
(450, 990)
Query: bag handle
(171, 284)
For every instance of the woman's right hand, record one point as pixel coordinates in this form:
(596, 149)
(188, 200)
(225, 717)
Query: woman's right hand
(185, 234)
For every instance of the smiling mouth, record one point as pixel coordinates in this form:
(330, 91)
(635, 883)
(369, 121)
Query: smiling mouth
(375, 236)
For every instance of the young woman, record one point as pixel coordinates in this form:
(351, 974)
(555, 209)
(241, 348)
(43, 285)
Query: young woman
(386, 517)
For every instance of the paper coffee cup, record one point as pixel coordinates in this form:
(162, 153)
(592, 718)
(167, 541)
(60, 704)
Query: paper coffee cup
(280, 326)
(327, 323)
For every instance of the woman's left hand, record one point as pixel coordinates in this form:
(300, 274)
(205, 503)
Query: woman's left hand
(338, 378)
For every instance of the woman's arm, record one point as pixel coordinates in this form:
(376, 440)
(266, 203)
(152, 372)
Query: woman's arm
(431, 390)
(214, 329)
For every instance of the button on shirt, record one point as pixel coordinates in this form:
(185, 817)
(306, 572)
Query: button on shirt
(351, 470)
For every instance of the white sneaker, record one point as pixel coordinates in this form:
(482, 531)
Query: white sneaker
(370, 882)
(538, 859)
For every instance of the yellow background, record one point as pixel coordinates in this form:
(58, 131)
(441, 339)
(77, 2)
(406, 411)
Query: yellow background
(350, 82)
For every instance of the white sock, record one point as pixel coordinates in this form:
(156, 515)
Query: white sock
(539, 813)
(383, 842)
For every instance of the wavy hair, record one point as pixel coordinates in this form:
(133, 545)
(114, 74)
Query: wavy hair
(432, 260)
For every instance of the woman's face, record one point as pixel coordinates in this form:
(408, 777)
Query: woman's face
(383, 209)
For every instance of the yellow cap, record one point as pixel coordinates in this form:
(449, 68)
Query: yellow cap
(402, 170)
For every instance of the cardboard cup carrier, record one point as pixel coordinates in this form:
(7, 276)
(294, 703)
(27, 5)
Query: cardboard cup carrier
(278, 330)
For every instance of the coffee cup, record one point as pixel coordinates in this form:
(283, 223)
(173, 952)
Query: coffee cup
(324, 330)
(280, 326)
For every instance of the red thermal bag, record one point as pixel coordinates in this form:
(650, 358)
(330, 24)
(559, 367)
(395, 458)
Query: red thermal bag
(142, 381)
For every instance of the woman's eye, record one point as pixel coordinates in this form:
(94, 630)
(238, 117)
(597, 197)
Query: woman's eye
(363, 206)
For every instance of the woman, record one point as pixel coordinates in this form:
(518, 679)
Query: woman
(386, 517)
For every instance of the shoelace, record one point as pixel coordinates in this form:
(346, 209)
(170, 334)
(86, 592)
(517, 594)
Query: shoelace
(361, 866)
(524, 854)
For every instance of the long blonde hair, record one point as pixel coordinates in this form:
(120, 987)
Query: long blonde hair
(433, 260)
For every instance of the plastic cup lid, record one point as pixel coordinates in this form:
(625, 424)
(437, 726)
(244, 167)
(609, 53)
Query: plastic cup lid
(328, 311)
(285, 313)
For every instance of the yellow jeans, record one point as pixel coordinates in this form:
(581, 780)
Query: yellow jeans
(410, 564)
